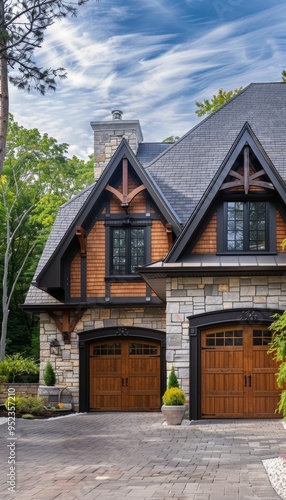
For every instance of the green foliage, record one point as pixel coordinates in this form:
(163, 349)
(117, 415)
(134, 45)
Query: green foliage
(37, 179)
(278, 349)
(28, 416)
(174, 397)
(3, 379)
(283, 244)
(17, 364)
(172, 380)
(172, 138)
(23, 27)
(23, 404)
(49, 375)
(209, 106)
(282, 404)
(284, 76)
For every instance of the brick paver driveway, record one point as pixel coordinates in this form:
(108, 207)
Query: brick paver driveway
(135, 456)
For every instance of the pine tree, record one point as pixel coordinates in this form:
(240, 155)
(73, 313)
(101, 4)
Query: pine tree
(173, 381)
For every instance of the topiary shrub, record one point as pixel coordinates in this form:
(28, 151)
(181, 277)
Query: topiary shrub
(172, 380)
(49, 375)
(174, 397)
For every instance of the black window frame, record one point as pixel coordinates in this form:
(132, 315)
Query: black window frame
(111, 225)
(270, 227)
(127, 237)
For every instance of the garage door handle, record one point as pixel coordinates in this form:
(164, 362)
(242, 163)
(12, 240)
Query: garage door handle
(124, 382)
(247, 380)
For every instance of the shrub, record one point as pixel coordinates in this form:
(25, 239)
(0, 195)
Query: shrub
(17, 364)
(282, 404)
(278, 349)
(174, 397)
(49, 375)
(28, 416)
(3, 379)
(22, 404)
(173, 381)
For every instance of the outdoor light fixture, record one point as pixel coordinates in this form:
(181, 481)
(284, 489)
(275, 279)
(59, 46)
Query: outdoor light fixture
(55, 347)
(65, 335)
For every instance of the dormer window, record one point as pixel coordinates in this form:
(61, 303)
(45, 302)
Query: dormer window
(246, 215)
(246, 226)
(128, 244)
(128, 250)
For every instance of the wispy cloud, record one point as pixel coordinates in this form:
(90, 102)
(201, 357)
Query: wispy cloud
(114, 58)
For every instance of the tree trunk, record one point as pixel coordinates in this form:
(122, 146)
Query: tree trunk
(5, 301)
(5, 311)
(4, 93)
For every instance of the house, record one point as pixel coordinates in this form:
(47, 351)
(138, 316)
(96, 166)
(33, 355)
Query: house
(172, 258)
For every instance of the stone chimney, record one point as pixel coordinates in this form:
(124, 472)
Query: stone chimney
(109, 134)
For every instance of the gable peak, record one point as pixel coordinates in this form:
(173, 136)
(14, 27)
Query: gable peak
(246, 173)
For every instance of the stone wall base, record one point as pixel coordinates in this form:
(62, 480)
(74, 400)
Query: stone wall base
(20, 390)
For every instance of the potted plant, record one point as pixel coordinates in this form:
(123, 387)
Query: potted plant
(174, 399)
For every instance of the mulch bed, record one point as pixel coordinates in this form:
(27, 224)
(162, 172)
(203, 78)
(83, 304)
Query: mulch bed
(41, 415)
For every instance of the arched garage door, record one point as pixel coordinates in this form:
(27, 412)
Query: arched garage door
(124, 375)
(238, 377)
(121, 369)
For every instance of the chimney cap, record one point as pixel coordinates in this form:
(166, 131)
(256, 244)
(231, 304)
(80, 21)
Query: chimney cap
(117, 114)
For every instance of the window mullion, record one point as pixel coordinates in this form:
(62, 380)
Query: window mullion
(246, 226)
(127, 251)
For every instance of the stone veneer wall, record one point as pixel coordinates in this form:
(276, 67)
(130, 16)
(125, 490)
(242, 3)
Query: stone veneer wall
(191, 296)
(21, 389)
(67, 364)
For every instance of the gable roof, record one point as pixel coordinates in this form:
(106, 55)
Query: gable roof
(186, 169)
(63, 233)
(246, 136)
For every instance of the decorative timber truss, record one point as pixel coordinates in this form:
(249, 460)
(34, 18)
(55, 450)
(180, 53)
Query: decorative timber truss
(247, 179)
(125, 198)
(66, 325)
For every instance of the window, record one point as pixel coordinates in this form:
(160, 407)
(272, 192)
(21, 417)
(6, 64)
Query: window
(225, 338)
(246, 226)
(128, 249)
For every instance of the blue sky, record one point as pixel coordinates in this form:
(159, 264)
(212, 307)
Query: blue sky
(153, 59)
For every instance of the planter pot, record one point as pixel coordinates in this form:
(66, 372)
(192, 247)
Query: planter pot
(56, 394)
(50, 392)
(173, 414)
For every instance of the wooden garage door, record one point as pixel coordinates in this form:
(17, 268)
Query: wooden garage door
(125, 375)
(238, 376)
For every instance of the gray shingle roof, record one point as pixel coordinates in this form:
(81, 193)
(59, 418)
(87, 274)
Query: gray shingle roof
(64, 219)
(148, 151)
(185, 170)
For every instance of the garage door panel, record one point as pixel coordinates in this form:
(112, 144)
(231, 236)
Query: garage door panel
(125, 376)
(142, 402)
(238, 380)
(222, 406)
(225, 358)
(104, 402)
